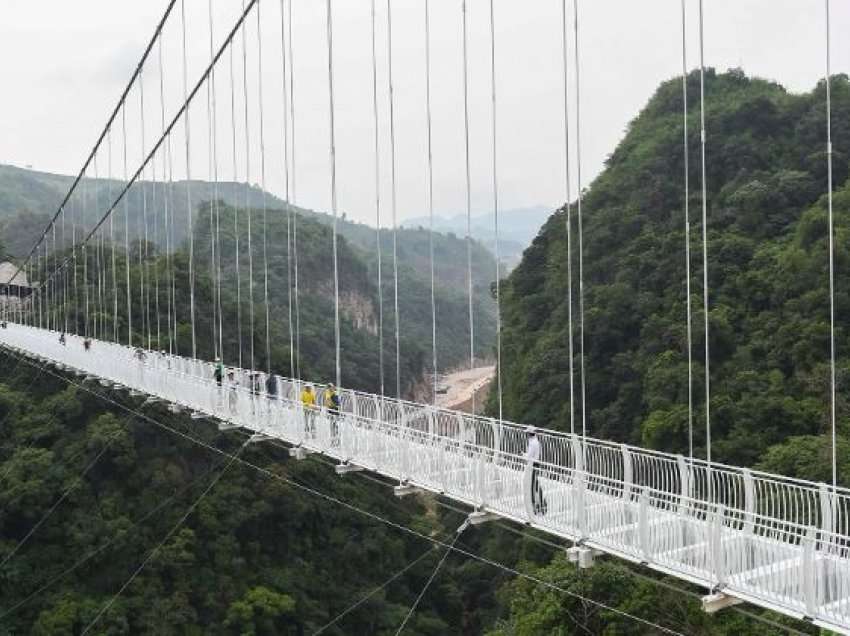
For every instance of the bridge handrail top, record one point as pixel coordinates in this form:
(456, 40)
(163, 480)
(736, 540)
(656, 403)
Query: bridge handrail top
(765, 477)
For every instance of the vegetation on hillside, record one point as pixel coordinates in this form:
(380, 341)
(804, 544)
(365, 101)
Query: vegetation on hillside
(767, 276)
(768, 315)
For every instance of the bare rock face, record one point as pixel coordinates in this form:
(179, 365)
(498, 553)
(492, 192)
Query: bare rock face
(360, 310)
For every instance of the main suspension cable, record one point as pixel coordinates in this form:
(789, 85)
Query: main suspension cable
(169, 534)
(189, 208)
(465, 54)
(354, 508)
(430, 580)
(394, 197)
(289, 213)
(248, 210)
(331, 109)
(831, 231)
(163, 138)
(106, 129)
(689, 337)
(378, 204)
(294, 195)
(580, 232)
(264, 194)
(705, 248)
(496, 210)
(568, 220)
(236, 209)
(427, 5)
(374, 591)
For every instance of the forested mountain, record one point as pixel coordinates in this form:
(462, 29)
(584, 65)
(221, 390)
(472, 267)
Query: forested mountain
(27, 198)
(262, 556)
(769, 320)
(767, 276)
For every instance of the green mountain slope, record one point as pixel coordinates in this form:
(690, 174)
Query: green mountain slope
(767, 278)
(27, 198)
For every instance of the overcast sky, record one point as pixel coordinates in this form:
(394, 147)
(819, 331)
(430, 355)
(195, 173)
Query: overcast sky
(65, 64)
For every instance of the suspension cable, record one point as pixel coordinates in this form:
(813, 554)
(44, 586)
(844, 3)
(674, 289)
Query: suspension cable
(167, 196)
(115, 538)
(431, 578)
(83, 208)
(568, 223)
(127, 231)
(248, 210)
(374, 591)
(213, 204)
(189, 209)
(468, 194)
(496, 210)
(378, 202)
(831, 230)
(394, 197)
(688, 312)
(169, 534)
(294, 197)
(106, 129)
(111, 244)
(236, 207)
(144, 273)
(352, 507)
(705, 247)
(59, 500)
(430, 194)
(264, 194)
(216, 199)
(155, 238)
(333, 188)
(580, 232)
(283, 37)
(165, 135)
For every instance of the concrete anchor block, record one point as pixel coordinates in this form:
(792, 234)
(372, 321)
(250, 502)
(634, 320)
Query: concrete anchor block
(582, 556)
(712, 603)
(478, 517)
(345, 468)
(299, 453)
(402, 490)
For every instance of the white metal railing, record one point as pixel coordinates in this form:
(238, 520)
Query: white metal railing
(779, 542)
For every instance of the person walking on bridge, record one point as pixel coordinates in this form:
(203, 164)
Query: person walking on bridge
(532, 455)
(308, 401)
(330, 400)
(218, 374)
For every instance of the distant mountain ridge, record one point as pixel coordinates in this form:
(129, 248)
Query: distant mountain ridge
(29, 198)
(517, 229)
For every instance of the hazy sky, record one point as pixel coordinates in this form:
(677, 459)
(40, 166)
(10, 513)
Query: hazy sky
(65, 63)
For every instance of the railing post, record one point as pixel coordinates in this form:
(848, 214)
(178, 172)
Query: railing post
(348, 430)
(374, 427)
(809, 579)
(749, 501)
(579, 484)
(827, 521)
(628, 476)
(718, 560)
(684, 484)
(431, 446)
(643, 524)
(526, 490)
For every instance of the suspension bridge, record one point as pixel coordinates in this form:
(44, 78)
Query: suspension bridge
(743, 535)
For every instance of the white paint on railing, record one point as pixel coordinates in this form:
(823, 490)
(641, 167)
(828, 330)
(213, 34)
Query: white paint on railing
(764, 538)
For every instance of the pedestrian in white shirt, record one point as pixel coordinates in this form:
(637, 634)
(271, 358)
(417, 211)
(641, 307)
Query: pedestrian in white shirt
(532, 455)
